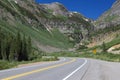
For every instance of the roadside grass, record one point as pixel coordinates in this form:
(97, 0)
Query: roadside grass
(9, 64)
(6, 64)
(102, 56)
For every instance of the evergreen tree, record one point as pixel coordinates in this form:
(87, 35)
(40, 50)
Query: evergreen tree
(104, 47)
(14, 47)
(12, 50)
(0, 43)
(8, 46)
(3, 49)
(29, 45)
(18, 46)
(24, 55)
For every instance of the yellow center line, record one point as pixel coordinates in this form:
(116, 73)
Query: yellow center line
(38, 70)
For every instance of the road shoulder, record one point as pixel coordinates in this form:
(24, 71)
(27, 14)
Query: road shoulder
(102, 70)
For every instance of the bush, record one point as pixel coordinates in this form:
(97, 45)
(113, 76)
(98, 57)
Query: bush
(104, 49)
(6, 64)
(81, 47)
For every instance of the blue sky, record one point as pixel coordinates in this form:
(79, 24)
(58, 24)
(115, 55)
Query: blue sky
(89, 8)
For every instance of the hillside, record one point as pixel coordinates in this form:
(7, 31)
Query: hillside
(111, 17)
(107, 26)
(49, 25)
(52, 27)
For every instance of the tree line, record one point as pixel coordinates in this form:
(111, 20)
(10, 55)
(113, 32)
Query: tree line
(14, 47)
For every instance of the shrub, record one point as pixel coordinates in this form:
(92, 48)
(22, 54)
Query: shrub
(6, 64)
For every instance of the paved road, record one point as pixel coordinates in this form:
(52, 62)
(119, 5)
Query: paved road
(65, 69)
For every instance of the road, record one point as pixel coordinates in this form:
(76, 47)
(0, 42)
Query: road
(64, 69)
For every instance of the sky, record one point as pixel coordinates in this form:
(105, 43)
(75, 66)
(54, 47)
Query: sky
(89, 8)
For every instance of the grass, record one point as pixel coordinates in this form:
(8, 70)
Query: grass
(113, 42)
(55, 39)
(102, 56)
(105, 30)
(110, 18)
(8, 64)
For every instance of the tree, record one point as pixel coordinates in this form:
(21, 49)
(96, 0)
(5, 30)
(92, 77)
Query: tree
(24, 49)
(104, 47)
(14, 47)
(18, 46)
(8, 45)
(29, 46)
(3, 49)
(0, 43)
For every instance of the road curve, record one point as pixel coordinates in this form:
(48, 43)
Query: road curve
(64, 69)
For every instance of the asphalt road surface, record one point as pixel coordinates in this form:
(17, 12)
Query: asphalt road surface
(64, 69)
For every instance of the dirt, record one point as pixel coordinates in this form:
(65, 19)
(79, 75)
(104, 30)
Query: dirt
(102, 70)
(111, 50)
(107, 37)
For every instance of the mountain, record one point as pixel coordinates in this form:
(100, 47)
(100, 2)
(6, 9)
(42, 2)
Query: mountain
(107, 27)
(49, 25)
(110, 17)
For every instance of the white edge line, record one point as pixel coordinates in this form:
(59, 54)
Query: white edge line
(12, 69)
(76, 70)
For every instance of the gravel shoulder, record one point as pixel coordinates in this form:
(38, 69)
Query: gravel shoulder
(102, 70)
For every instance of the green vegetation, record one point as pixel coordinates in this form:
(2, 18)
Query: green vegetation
(55, 38)
(14, 47)
(102, 56)
(113, 42)
(17, 44)
(61, 17)
(50, 11)
(116, 49)
(104, 49)
(110, 18)
(107, 29)
(77, 35)
(6, 64)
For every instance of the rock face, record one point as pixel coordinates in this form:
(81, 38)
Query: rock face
(110, 17)
(55, 8)
(45, 16)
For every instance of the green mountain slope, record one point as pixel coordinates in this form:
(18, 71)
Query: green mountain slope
(55, 38)
(47, 24)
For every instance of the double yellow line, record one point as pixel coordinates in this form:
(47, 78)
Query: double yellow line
(39, 70)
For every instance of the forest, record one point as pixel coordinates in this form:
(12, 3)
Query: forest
(14, 47)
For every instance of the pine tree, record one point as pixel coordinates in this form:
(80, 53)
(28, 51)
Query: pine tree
(104, 47)
(8, 45)
(0, 43)
(12, 49)
(18, 46)
(29, 46)
(24, 49)
(3, 49)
